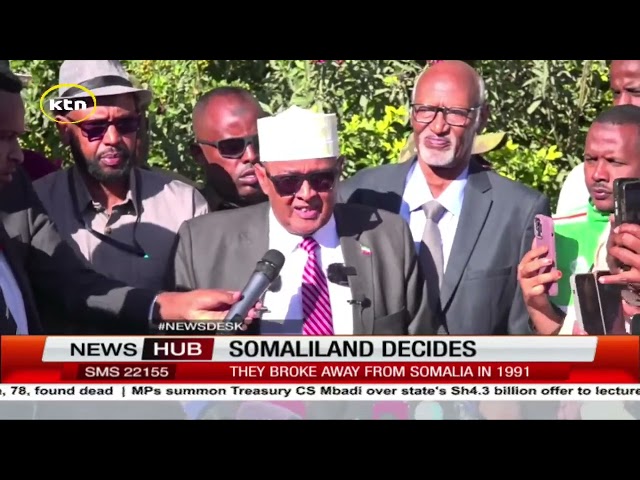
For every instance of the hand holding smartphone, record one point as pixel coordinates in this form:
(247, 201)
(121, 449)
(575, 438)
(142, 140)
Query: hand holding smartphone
(544, 235)
(626, 196)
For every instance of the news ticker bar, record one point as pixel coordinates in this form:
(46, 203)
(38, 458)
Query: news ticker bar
(327, 392)
(344, 359)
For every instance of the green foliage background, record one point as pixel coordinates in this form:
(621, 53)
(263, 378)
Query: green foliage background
(545, 106)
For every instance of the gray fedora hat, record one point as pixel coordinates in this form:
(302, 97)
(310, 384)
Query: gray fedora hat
(102, 77)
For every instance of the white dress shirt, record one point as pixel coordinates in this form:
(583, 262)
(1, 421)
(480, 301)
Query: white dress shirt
(417, 193)
(13, 296)
(286, 304)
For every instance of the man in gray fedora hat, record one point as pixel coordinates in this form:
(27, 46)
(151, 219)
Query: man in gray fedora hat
(102, 77)
(121, 218)
(37, 267)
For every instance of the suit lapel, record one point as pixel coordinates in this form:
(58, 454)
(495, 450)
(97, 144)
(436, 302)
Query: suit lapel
(256, 236)
(253, 243)
(475, 208)
(357, 255)
(397, 183)
(19, 273)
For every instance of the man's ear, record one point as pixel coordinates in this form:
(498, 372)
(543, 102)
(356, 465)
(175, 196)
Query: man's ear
(64, 129)
(340, 164)
(197, 154)
(261, 175)
(483, 118)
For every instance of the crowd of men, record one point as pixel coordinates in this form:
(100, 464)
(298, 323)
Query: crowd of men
(438, 244)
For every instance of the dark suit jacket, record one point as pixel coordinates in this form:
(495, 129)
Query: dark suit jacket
(50, 273)
(221, 249)
(480, 294)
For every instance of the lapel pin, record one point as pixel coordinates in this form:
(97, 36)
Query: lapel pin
(365, 250)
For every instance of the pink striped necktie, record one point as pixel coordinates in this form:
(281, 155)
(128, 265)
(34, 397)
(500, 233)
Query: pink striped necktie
(316, 306)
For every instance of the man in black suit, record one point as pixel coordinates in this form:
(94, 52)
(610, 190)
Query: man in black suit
(37, 266)
(475, 224)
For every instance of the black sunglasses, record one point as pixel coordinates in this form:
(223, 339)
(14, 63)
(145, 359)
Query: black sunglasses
(233, 147)
(96, 130)
(289, 184)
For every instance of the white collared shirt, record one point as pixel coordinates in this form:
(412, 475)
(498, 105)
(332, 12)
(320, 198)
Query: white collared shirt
(286, 304)
(13, 296)
(417, 193)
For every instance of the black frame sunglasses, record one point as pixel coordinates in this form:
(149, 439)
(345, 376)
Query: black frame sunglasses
(320, 181)
(97, 129)
(233, 148)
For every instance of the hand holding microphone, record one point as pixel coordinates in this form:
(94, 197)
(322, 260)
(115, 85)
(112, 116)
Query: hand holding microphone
(203, 305)
(266, 272)
(221, 305)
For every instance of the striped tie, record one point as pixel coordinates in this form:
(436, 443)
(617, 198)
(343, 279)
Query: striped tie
(316, 306)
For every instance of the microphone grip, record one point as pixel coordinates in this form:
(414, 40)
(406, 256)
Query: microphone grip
(254, 289)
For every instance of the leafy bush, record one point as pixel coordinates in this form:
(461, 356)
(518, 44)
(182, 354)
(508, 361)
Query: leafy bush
(544, 106)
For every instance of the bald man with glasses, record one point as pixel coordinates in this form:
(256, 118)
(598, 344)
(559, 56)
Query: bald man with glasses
(470, 225)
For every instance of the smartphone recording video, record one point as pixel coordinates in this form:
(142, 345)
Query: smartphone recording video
(610, 302)
(626, 193)
(544, 235)
(597, 306)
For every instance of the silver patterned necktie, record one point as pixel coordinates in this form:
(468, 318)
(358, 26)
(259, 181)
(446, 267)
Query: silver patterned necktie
(431, 254)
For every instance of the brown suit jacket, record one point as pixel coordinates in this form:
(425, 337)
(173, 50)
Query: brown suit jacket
(221, 249)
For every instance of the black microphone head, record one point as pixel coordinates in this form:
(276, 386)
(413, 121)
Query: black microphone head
(271, 264)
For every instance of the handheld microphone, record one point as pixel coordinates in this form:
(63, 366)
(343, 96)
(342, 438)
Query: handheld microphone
(266, 272)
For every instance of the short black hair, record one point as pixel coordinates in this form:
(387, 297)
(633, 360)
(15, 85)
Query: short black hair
(10, 83)
(620, 115)
(222, 92)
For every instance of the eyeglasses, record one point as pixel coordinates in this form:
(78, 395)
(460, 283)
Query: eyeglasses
(454, 116)
(233, 147)
(289, 184)
(96, 130)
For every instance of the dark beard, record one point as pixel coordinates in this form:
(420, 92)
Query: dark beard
(93, 169)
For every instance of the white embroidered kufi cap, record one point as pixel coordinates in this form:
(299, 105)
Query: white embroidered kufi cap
(298, 134)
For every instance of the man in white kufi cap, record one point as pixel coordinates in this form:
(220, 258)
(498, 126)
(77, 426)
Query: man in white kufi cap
(348, 269)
